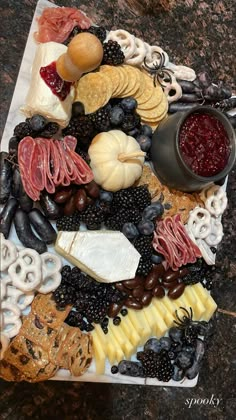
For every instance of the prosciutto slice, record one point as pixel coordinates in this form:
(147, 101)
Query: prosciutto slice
(56, 23)
(48, 163)
(172, 241)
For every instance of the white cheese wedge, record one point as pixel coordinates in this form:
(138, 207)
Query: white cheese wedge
(107, 256)
(40, 99)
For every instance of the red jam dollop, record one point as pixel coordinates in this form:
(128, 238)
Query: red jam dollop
(58, 86)
(204, 144)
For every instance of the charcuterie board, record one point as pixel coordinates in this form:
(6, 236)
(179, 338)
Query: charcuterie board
(14, 118)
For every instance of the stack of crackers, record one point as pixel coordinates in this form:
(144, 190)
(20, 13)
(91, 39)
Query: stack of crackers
(174, 201)
(45, 344)
(94, 90)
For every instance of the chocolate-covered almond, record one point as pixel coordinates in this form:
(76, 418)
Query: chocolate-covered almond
(92, 189)
(120, 286)
(170, 285)
(62, 196)
(158, 291)
(69, 207)
(151, 280)
(177, 291)
(114, 309)
(132, 283)
(138, 292)
(133, 304)
(146, 298)
(183, 272)
(80, 199)
(158, 269)
(170, 275)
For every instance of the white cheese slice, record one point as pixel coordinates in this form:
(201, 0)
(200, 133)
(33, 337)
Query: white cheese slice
(40, 99)
(107, 256)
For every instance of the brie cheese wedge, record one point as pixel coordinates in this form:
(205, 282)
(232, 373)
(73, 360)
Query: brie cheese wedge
(40, 99)
(107, 256)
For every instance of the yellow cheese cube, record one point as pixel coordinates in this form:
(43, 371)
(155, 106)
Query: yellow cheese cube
(100, 356)
(165, 313)
(106, 341)
(199, 307)
(123, 340)
(129, 331)
(140, 324)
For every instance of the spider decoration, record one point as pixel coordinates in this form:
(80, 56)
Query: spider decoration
(191, 328)
(159, 72)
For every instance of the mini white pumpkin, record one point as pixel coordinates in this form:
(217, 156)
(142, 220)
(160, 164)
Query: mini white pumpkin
(116, 160)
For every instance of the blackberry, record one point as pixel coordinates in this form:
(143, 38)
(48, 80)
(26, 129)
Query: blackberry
(112, 53)
(93, 217)
(144, 267)
(68, 223)
(165, 368)
(99, 32)
(130, 121)
(101, 119)
(134, 197)
(65, 271)
(117, 220)
(96, 310)
(74, 319)
(50, 130)
(22, 130)
(64, 295)
(143, 244)
(191, 334)
(190, 279)
(150, 362)
(82, 128)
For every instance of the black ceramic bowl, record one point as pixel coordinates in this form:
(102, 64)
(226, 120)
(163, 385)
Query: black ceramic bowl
(166, 157)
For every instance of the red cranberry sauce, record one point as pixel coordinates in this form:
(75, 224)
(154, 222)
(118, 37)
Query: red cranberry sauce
(58, 86)
(204, 144)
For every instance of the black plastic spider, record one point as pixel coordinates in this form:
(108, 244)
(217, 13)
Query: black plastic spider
(190, 327)
(159, 72)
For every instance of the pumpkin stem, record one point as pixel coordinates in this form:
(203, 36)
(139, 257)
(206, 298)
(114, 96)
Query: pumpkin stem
(126, 156)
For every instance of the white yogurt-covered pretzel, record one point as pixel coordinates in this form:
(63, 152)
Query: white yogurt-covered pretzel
(25, 272)
(206, 252)
(51, 276)
(138, 55)
(3, 286)
(8, 253)
(170, 87)
(125, 40)
(199, 222)
(9, 311)
(4, 343)
(215, 200)
(153, 56)
(182, 72)
(19, 298)
(216, 234)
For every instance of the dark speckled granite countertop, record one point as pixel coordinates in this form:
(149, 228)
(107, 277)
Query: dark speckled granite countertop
(200, 34)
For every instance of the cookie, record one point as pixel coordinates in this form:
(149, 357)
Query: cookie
(37, 332)
(10, 373)
(80, 356)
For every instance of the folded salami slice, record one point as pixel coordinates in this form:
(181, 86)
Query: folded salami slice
(25, 154)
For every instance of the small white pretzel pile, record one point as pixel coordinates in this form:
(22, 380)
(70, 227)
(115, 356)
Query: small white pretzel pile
(215, 200)
(23, 273)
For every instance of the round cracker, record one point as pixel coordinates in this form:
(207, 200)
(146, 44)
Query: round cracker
(114, 75)
(147, 92)
(94, 91)
(156, 113)
(131, 86)
(154, 100)
(124, 80)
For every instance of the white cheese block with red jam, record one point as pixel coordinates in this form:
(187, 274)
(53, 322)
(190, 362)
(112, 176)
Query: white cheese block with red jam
(40, 98)
(107, 256)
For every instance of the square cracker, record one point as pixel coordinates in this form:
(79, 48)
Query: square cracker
(45, 307)
(37, 332)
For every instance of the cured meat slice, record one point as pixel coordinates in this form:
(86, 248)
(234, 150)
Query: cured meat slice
(70, 142)
(172, 241)
(55, 164)
(84, 172)
(56, 23)
(36, 172)
(66, 179)
(25, 153)
(48, 181)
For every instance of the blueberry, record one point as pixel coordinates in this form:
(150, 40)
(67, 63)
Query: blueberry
(175, 334)
(146, 130)
(130, 368)
(157, 259)
(124, 312)
(146, 227)
(77, 109)
(106, 196)
(134, 132)
(184, 360)
(117, 320)
(37, 122)
(178, 374)
(159, 207)
(129, 104)
(165, 343)
(116, 115)
(153, 344)
(114, 369)
(144, 142)
(129, 230)
(151, 212)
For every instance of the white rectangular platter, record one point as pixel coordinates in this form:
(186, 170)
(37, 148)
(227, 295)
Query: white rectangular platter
(15, 117)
